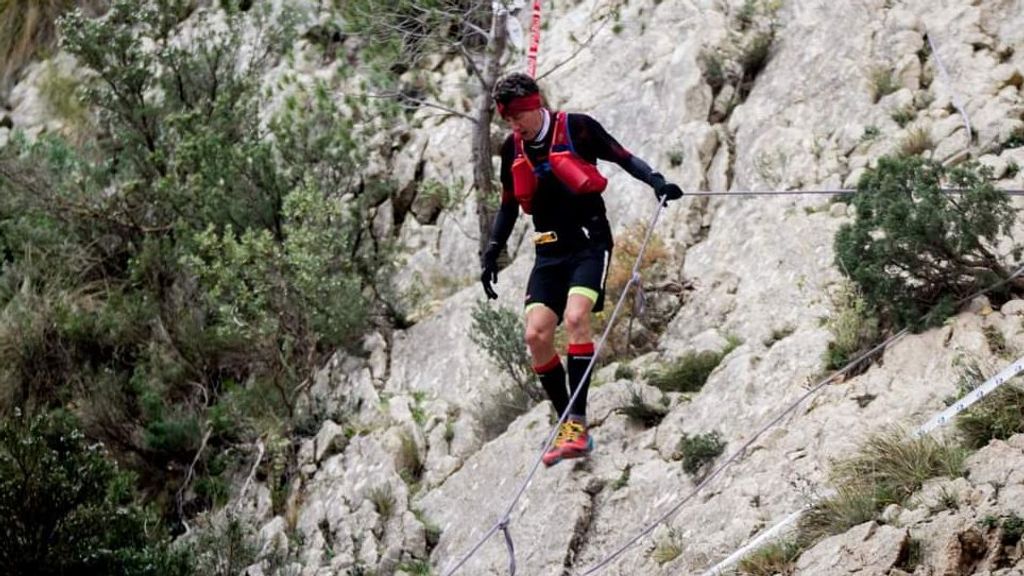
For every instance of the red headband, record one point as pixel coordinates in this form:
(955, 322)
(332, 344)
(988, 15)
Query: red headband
(519, 104)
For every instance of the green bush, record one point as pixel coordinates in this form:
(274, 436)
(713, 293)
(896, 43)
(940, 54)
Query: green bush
(687, 373)
(914, 250)
(998, 416)
(887, 469)
(854, 329)
(224, 547)
(700, 451)
(778, 557)
(190, 269)
(499, 332)
(68, 509)
(642, 412)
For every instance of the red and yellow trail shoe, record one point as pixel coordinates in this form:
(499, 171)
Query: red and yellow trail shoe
(572, 441)
(579, 444)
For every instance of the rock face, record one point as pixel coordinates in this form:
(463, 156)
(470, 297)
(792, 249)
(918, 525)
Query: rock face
(423, 465)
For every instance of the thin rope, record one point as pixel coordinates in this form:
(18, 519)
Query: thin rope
(503, 522)
(949, 84)
(736, 455)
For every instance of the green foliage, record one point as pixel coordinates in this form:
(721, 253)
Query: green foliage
(1013, 529)
(854, 329)
(190, 270)
(700, 451)
(416, 568)
(623, 480)
(911, 555)
(777, 557)
(383, 499)
(668, 549)
(624, 372)
(68, 509)
(996, 341)
(224, 547)
(499, 332)
(913, 250)
(687, 373)
(60, 92)
(903, 116)
(917, 141)
(399, 35)
(888, 469)
(998, 416)
(642, 412)
(882, 82)
(848, 507)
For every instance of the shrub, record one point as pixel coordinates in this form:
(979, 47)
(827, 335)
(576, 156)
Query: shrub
(888, 469)
(778, 557)
(1013, 529)
(383, 499)
(624, 372)
(623, 480)
(668, 549)
(186, 272)
(854, 329)
(68, 509)
(499, 332)
(638, 334)
(640, 411)
(882, 82)
(224, 546)
(998, 416)
(903, 116)
(700, 451)
(914, 250)
(848, 507)
(687, 373)
(916, 142)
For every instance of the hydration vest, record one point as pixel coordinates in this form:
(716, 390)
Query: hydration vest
(575, 173)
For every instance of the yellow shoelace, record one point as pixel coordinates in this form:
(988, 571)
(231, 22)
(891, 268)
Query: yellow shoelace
(569, 430)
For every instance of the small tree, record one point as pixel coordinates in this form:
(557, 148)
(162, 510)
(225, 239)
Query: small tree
(67, 509)
(914, 249)
(499, 332)
(398, 34)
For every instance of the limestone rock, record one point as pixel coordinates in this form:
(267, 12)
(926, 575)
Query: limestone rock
(869, 550)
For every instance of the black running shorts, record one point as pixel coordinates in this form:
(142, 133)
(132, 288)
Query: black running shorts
(555, 276)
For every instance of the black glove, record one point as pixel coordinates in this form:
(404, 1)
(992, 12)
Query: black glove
(489, 262)
(667, 191)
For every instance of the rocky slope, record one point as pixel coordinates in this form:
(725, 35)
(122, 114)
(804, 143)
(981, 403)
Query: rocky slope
(426, 404)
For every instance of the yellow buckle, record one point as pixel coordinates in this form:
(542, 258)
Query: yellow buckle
(545, 238)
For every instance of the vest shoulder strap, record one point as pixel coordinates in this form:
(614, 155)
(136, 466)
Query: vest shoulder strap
(561, 140)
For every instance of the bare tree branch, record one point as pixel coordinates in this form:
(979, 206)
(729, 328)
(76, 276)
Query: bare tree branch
(260, 448)
(576, 52)
(180, 497)
(429, 104)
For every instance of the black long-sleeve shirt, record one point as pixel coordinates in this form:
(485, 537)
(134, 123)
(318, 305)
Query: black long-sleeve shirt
(575, 218)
